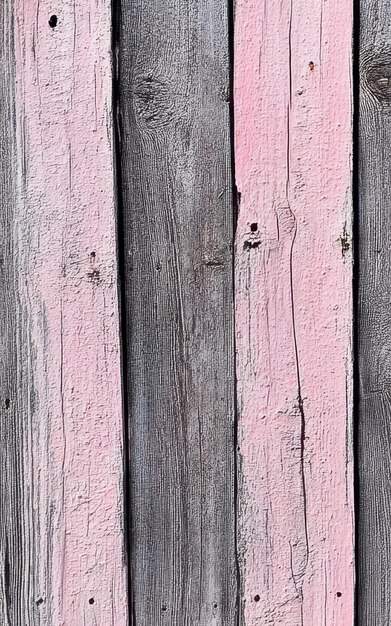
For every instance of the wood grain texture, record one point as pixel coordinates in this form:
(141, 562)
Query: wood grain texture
(13, 397)
(293, 148)
(178, 228)
(73, 570)
(373, 316)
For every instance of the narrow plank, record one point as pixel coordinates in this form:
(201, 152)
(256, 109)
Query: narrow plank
(293, 146)
(12, 397)
(373, 313)
(178, 232)
(68, 322)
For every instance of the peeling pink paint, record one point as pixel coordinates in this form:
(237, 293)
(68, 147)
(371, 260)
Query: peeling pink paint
(293, 144)
(68, 278)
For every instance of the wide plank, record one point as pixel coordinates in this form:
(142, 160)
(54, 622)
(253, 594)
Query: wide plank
(68, 354)
(174, 158)
(293, 268)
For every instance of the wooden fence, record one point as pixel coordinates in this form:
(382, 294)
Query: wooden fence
(178, 306)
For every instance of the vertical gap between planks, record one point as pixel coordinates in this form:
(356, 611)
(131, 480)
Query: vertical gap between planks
(355, 287)
(115, 8)
(235, 211)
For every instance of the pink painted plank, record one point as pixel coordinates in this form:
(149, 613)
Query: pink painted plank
(293, 125)
(68, 281)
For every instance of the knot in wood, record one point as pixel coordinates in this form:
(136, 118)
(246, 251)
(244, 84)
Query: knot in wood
(153, 102)
(377, 77)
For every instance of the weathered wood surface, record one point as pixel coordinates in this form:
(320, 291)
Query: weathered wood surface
(373, 316)
(12, 397)
(71, 568)
(293, 125)
(178, 229)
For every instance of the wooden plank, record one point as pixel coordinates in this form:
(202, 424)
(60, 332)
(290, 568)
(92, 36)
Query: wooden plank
(373, 313)
(293, 125)
(73, 568)
(178, 229)
(12, 397)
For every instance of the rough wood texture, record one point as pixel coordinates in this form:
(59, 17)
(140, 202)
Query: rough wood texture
(293, 304)
(71, 446)
(12, 397)
(373, 316)
(175, 162)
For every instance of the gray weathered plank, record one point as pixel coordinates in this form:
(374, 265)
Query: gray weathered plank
(374, 316)
(14, 602)
(178, 233)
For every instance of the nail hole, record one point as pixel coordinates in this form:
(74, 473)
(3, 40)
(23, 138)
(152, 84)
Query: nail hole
(91, 600)
(93, 255)
(215, 605)
(38, 602)
(339, 594)
(257, 598)
(311, 65)
(7, 403)
(53, 21)
(254, 227)
(164, 608)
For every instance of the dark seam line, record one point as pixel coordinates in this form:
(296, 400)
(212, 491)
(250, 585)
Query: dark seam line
(235, 210)
(120, 211)
(355, 288)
